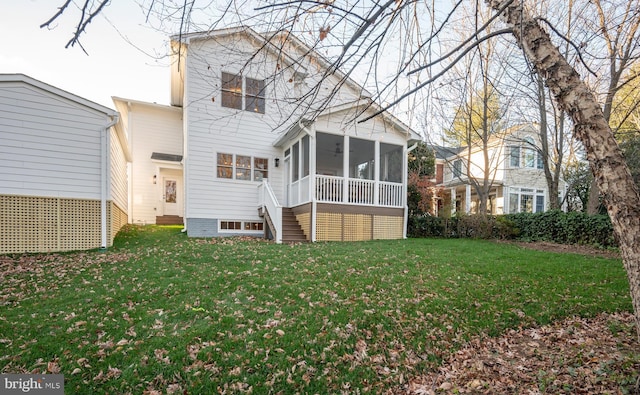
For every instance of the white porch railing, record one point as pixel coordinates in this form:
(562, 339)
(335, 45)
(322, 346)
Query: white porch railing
(299, 192)
(361, 191)
(331, 189)
(268, 202)
(390, 194)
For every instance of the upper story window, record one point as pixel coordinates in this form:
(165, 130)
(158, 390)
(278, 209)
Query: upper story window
(514, 156)
(457, 168)
(242, 167)
(243, 93)
(526, 156)
(529, 153)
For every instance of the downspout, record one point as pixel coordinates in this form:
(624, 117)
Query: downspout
(312, 184)
(406, 186)
(185, 138)
(105, 141)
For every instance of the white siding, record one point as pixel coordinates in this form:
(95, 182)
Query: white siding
(118, 172)
(49, 145)
(152, 128)
(374, 129)
(213, 129)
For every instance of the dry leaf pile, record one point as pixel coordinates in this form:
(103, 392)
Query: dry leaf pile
(573, 356)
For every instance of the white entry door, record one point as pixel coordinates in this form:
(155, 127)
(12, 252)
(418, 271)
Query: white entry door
(170, 196)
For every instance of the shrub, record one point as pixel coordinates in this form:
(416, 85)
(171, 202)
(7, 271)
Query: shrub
(564, 228)
(425, 226)
(554, 226)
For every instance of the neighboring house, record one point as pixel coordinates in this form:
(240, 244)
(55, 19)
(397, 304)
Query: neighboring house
(63, 169)
(263, 156)
(515, 174)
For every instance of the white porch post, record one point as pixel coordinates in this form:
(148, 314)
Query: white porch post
(467, 199)
(312, 184)
(505, 200)
(345, 170)
(453, 201)
(376, 173)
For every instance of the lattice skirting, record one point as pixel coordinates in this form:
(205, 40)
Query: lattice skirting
(355, 227)
(304, 219)
(44, 224)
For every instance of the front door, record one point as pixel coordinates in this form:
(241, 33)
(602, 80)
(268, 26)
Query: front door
(170, 196)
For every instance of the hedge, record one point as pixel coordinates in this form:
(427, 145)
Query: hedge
(554, 226)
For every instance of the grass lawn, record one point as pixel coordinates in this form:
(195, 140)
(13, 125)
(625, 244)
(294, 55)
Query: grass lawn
(163, 312)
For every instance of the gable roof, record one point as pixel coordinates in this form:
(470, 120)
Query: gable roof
(300, 124)
(442, 152)
(233, 31)
(504, 137)
(25, 79)
(269, 41)
(324, 62)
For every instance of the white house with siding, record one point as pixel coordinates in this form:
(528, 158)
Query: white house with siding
(270, 145)
(63, 169)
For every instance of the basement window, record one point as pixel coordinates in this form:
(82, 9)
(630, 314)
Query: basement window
(236, 226)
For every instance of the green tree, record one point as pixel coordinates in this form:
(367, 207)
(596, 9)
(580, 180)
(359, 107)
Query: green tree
(476, 119)
(422, 160)
(578, 178)
(421, 165)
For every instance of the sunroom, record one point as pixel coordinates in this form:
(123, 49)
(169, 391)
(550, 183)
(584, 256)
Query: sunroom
(340, 187)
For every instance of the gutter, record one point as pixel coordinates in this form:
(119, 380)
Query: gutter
(104, 184)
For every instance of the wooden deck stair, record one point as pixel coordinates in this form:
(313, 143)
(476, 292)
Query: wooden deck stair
(169, 220)
(291, 229)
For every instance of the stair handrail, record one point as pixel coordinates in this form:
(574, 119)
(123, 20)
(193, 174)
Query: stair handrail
(269, 204)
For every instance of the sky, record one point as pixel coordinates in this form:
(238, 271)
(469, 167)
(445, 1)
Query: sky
(126, 58)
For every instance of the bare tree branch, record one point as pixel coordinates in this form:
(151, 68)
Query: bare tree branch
(61, 10)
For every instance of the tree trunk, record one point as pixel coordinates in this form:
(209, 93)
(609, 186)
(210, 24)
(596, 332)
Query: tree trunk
(552, 183)
(593, 203)
(592, 129)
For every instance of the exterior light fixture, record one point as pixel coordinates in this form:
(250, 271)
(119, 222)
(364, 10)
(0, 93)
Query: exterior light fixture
(277, 161)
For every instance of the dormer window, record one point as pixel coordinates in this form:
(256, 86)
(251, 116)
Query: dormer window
(243, 93)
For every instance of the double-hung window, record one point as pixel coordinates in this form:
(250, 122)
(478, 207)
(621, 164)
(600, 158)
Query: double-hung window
(457, 168)
(514, 156)
(243, 93)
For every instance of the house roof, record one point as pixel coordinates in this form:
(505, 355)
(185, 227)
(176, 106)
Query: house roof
(269, 41)
(505, 136)
(364, 104)
(231, 31)
(145, 103)
(442, 152)
(22, 78)
(166, 157)
(324, 62)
